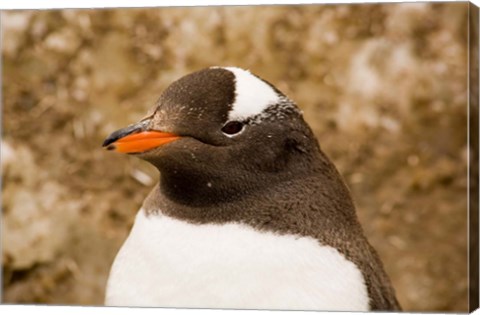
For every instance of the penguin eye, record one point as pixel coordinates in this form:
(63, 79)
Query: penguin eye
(232, 128)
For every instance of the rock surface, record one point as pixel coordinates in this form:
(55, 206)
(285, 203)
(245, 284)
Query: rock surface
(382, 85)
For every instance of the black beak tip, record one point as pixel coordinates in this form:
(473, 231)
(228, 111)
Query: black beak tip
(108, 141)
(115, 136)
(134, 128)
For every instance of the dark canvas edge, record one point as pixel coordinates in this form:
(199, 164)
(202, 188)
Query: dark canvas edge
(473, 138)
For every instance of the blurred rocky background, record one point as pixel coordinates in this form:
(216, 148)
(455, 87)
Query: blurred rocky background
(382, 85)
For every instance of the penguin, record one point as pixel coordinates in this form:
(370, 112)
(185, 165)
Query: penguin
(249, 212)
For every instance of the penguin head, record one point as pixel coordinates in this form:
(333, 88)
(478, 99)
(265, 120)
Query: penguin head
(221, 122)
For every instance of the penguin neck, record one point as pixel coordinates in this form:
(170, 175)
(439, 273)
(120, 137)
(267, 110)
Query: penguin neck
(202, 182)
(211, 187)
(256, 198)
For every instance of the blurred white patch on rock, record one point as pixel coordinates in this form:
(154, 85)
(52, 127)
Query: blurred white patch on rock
(380, 72)
(37, 214)
(401, 59)
(7, 155)
(364, 79)
(404, 17)
(17, 163)
(14, 26)
(355, 116)
(39, 28)
(142, 177)
(390, 124)
(65, 41)
(16, 21)
(36, 224)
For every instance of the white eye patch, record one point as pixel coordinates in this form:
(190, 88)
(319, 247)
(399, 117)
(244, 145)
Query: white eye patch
(252, 95)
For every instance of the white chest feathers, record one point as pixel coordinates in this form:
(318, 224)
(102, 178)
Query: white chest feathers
(171, 263)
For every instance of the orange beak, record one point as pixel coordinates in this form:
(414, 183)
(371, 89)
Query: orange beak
(134, 139)
(141, 142)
